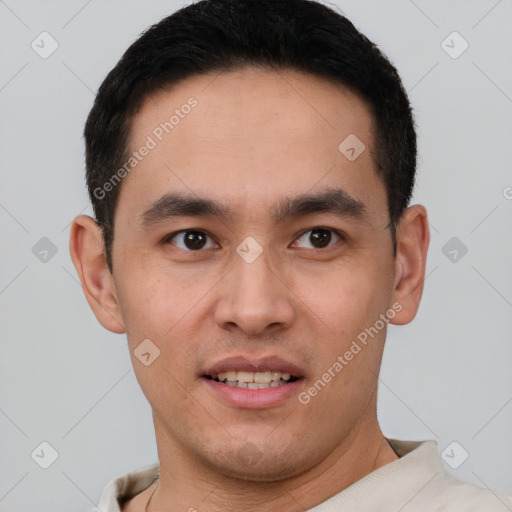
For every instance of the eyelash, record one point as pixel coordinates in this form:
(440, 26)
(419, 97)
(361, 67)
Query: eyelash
(169, 237)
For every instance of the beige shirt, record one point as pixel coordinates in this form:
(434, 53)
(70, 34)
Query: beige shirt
(417, 482)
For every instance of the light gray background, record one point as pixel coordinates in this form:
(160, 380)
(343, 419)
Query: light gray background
(67, 381)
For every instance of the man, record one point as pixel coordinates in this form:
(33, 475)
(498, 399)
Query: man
(250, 165)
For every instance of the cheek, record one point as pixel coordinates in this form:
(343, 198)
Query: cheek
(347, 296)
(160, 307)
(351, 303)
(154, 298)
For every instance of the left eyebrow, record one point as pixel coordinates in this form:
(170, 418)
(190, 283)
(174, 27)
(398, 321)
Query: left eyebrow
(334, 200)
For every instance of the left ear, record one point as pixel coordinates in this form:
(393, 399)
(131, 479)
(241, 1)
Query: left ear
(413, 237)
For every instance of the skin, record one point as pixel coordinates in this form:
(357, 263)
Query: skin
(255, 137)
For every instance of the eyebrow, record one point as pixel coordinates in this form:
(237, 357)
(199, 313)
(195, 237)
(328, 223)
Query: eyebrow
(182, 205)
(334, 200)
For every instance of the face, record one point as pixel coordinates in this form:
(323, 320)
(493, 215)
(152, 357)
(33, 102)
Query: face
(269, 266)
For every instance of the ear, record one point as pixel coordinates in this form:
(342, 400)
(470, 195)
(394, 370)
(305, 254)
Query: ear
(413, 237)
(87, 252)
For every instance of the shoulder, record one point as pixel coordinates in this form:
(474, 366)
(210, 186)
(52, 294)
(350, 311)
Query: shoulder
(423, 483)
(128, 490)
(457, 495)
(138, 502)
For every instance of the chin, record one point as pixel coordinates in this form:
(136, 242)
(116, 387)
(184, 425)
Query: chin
(264, 473)
(260, 464)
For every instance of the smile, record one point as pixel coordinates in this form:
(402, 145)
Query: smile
(253, 380)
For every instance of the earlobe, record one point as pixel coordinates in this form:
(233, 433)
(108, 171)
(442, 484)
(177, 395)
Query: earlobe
(86, 249)
(412, 244)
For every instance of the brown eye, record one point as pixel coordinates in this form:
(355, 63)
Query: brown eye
(194, 240)
(191, 240)
(318, 238)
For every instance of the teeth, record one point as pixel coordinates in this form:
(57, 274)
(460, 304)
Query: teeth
(254, 385)
(263, 377)
(253, 380)
(242, 377)
(231, 376)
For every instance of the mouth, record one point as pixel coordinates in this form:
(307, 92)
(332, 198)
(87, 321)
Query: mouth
(253, 383)
(253, 380)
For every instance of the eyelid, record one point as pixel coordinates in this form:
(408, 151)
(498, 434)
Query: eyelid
(340, 234)
(170, 236)
(167, 239)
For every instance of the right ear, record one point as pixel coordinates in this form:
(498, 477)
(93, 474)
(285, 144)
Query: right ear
(87, 252)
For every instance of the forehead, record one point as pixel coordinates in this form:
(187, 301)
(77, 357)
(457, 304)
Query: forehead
(250, 135)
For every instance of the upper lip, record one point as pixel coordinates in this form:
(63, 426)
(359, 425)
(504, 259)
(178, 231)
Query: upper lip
(253, 364)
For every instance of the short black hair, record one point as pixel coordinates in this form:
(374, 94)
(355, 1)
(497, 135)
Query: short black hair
(225, 35)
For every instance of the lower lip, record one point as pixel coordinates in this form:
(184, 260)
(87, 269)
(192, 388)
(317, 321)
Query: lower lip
(253, 398)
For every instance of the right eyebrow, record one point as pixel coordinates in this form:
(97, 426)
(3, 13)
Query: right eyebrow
(182, 205)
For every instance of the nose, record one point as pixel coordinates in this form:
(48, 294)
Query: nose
(255, 298)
